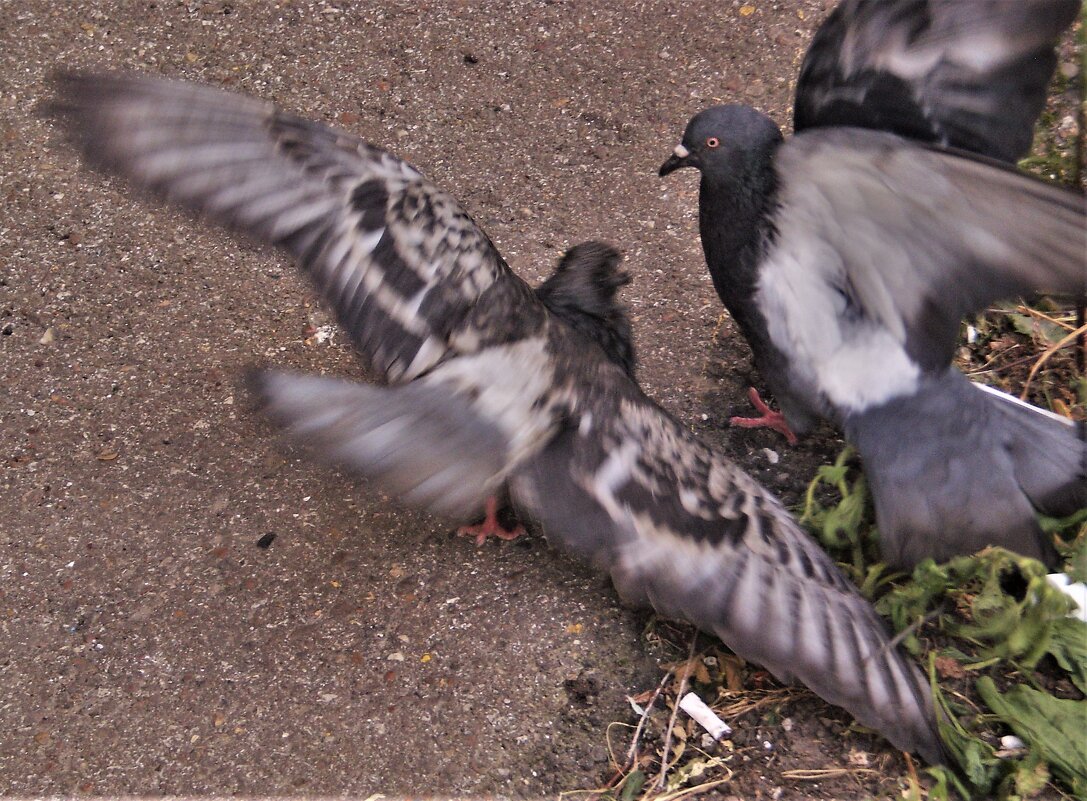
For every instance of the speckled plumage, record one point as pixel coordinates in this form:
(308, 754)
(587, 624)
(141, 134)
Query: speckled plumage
(488, 387)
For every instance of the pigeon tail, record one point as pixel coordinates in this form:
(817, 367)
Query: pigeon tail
(958, 466)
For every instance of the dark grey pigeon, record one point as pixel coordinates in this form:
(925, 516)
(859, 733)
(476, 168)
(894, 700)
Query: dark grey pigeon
(488, 388)
(849, 255)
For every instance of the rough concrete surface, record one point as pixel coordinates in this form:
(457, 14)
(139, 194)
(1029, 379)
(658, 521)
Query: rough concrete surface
(147, 644)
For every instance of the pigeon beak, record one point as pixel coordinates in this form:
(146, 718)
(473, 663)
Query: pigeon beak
(681, 157)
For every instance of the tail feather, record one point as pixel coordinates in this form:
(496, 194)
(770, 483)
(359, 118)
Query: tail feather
(1049, 453)
(957, 467)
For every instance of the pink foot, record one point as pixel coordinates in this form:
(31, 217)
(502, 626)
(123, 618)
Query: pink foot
(769, 418)
(490, 527)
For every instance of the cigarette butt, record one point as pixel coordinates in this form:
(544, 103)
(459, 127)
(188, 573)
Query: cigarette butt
(705, 717)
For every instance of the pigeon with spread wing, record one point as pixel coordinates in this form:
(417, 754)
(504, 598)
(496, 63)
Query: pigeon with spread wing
(487, 387)
(849, 254)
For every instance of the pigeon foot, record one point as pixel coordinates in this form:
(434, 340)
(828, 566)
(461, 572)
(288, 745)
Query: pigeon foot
(768, 419)
(491, 527)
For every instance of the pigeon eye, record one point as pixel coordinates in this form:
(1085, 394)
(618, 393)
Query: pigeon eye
(713, 141)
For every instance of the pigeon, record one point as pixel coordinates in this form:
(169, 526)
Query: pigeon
(487, 387)
(849, 253)
(969, 74)
(582, 293)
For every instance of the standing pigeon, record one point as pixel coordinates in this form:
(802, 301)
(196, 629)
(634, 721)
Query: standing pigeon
(849, 254)
(488, 388)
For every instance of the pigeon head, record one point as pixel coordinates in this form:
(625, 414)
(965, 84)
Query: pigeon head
(722, 140)
(582, 293)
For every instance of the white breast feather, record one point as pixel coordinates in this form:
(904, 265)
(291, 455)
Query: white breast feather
(508, 404)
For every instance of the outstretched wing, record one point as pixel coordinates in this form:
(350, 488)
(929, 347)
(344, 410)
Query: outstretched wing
(445, 442)
(405, 269)
(684, 530)
(883, 247)
(970, 74)
(614, 479)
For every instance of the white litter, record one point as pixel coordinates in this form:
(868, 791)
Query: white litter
(704, 716)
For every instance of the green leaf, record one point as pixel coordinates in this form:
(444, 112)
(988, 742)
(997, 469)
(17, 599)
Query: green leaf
(1041, 331)
(1030, 777)
(1068, 644)
(1052, 727)
(632, 785)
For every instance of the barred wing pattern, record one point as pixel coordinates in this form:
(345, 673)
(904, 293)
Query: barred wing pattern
(398, 260)
(682, 529)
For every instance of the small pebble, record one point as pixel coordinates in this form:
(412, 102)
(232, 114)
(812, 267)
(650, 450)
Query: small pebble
(1010, 741)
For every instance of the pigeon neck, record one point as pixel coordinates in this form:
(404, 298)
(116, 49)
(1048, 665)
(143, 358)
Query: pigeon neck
(733, 208)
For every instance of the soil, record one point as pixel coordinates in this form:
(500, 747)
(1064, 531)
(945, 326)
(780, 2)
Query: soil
(155, 638)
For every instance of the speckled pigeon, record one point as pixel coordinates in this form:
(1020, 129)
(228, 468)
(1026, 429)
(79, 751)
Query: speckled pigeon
(582, 292)
(849, 253)
(487, 388)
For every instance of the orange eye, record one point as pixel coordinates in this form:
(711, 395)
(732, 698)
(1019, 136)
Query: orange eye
(713, 141)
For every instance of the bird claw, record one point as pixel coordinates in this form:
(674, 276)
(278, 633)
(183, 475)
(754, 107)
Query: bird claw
(491, 527)
(768, 418)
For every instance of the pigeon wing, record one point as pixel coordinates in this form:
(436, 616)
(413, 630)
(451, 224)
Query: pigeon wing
(399, 261)
(422, 444)
(682, 529)
(882, 247)
(969, 74)
(614, 479)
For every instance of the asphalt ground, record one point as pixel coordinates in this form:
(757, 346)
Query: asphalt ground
(148, 644)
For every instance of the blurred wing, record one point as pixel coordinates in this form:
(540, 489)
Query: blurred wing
(400, 263)
(883, 247)
(969, 74)
(684, 530)
(425, 447)
(443, 443)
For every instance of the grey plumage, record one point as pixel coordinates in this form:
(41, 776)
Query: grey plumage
(490, 388)
(849, 256)
(1018, 457)
(969, 74)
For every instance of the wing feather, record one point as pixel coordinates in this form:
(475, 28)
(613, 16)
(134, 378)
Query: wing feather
(398, 260)
(685, 530)
(970, 74)
(883, 247)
